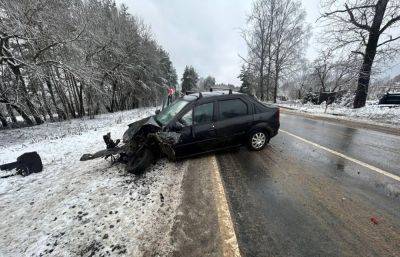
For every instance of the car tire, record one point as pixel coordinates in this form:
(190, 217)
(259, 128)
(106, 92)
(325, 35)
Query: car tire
(258, 140)
(141, 161)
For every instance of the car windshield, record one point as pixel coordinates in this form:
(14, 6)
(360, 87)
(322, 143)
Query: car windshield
(166, 115)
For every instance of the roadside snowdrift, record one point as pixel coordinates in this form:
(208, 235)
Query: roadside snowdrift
(78, 208)
(370, 113)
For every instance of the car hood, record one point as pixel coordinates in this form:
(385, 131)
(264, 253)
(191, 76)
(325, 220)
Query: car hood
(137, 125)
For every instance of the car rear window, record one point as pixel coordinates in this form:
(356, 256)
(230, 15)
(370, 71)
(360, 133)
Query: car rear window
(232, 108)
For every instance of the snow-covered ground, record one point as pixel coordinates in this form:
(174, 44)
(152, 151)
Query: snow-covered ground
(75, 208)
(372, 112)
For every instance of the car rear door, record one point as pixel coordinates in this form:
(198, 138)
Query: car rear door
(234, 118)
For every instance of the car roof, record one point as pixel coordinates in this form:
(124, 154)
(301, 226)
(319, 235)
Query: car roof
(216, 94)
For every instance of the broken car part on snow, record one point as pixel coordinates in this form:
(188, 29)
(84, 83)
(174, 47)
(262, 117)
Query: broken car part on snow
(25, 165)
(143, 143)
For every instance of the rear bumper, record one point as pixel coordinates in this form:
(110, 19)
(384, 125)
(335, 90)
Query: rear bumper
(275, 130)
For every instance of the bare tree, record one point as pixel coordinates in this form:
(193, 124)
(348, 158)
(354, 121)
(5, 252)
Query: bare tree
(257, 36)
(275, 35)
(367, 28)
(290, 37)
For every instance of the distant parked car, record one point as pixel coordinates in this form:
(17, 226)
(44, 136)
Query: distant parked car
(390, 98)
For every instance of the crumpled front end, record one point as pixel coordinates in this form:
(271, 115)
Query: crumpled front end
(166, 142)
(140, 128)
(142, 145)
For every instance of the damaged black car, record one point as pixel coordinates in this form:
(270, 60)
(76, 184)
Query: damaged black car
(195, 124)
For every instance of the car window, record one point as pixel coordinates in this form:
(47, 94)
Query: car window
(232, 108)
(166, 115)
(203, 114)
(187, 119)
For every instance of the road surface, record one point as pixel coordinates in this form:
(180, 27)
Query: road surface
(317, 189)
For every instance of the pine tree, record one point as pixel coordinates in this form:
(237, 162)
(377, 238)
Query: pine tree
(189, 79)
(245, 78)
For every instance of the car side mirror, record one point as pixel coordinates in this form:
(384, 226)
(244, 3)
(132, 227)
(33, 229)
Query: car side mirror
(157, 112)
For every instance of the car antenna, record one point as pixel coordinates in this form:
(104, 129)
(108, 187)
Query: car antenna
(230, 91)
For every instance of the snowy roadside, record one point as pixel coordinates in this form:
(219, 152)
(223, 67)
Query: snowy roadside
(76, 208)
(371, 113)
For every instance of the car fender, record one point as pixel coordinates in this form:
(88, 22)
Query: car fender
(261, 126)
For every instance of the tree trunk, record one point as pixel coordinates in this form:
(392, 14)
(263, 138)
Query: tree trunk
(277, 71)
(269, 53)
(75, 94)
(60, 113)
(60, 92)
(276, 81)
(11, 113)
(81, 106)
(365, 72)
(363, 81)
(3, 120)
(41, 108)
(261, 83)
(71, 102)
(262, 61)
(29, 104)
(369, 55)
(23, 114)
(113, 102)
(45, 103)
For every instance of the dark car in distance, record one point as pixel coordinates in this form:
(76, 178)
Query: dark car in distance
(390, 99)
(211, 121)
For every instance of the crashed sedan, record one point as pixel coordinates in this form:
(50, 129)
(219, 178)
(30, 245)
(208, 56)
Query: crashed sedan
(194, 124)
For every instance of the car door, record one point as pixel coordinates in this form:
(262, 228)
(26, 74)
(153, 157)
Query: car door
(233, 121)
(186, 141)
(204, 131)
(198, 133)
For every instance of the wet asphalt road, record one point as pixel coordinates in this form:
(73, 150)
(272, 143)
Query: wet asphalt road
(295, 199)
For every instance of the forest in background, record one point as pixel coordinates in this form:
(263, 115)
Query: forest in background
(63, 59)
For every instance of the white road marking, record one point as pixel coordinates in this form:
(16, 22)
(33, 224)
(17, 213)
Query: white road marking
(366, 165)
(230, 246)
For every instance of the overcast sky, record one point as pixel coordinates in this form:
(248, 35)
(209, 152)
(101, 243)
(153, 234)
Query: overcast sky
(206, 33)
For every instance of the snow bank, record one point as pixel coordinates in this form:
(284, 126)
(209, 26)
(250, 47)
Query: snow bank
(371, 112)
(78, 208)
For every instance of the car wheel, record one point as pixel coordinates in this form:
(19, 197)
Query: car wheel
(258, 140)
(141, 161)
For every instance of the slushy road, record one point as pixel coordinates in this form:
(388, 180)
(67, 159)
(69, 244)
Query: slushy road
(318, 189)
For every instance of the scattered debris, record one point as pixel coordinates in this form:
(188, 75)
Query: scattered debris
(89, 187)
(144, 142)
(25, 165)
(109, 142)
(374, 220)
